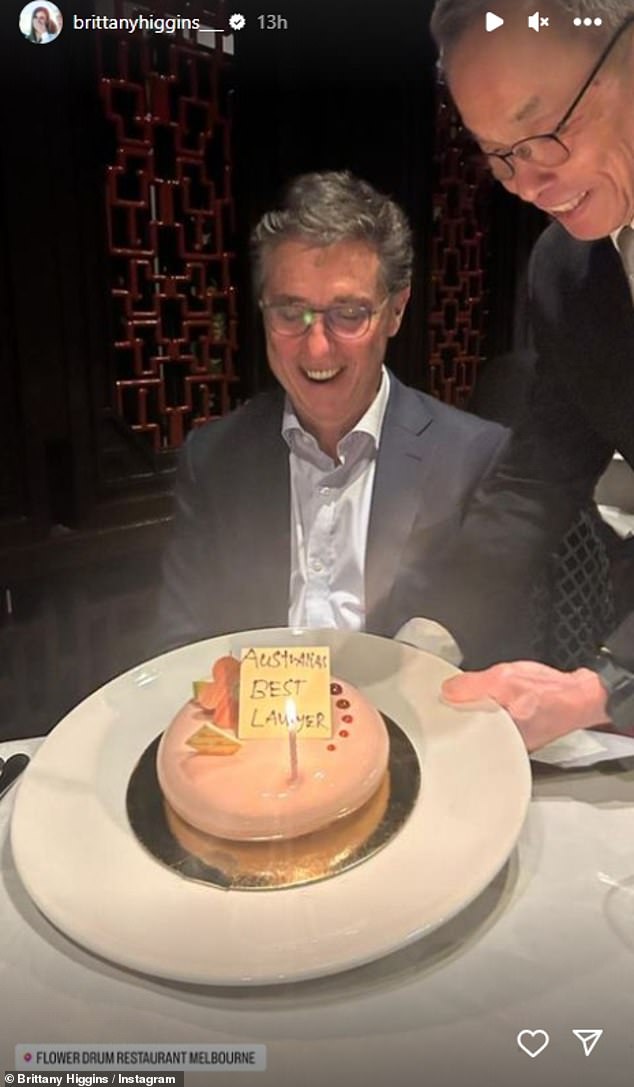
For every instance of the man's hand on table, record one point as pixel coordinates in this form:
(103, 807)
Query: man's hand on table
(543, 702)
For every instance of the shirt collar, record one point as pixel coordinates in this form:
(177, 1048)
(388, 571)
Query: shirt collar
(615, 235)
(371, 423)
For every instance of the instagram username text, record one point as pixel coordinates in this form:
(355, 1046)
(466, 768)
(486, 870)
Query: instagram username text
(156, 24)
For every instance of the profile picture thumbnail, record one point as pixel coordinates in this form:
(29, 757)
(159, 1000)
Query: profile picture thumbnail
(41, 23)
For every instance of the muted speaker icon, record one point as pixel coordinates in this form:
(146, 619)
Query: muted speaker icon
(537, 21)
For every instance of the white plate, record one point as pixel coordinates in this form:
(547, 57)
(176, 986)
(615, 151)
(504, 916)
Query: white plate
(88, 874)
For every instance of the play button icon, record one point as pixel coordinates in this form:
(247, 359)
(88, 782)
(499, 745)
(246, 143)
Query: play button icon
(492, 21)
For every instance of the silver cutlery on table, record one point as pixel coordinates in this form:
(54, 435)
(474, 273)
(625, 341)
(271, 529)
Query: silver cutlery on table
(10, 770)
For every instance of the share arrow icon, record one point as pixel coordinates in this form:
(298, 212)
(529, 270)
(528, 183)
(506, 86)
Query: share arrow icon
(588, 1039)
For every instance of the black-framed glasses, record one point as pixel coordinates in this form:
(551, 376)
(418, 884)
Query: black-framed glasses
(343, 320)
(548, 149)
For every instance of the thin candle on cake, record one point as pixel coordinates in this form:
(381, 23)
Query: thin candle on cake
(291, 726)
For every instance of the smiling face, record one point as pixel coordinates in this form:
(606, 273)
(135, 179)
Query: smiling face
(331, 382)
(39, 22)
(518, 84)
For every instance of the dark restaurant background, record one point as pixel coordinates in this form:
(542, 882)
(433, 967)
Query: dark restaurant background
(132, 170)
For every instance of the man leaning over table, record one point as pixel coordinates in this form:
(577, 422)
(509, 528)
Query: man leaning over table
(554, 114)
(327, 501)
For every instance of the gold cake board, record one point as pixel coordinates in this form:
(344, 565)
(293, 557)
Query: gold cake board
(273, 865)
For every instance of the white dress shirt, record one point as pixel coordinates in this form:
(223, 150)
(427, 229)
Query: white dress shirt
(626, 252)
(330, 512)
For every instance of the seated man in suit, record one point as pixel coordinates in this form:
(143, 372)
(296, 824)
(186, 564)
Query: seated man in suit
(326, 502)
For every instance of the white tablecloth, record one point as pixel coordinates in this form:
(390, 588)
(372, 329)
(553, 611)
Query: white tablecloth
(549, 945)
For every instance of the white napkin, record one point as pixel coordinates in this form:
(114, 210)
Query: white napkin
(585, 747)
(622, 523)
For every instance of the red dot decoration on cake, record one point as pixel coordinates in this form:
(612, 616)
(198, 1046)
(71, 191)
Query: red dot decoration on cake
(344, 732)
(342, 704)
(347, 718)
(331, 747)
(336, 688)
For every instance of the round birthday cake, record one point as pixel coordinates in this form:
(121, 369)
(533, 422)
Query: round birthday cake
(245, 789)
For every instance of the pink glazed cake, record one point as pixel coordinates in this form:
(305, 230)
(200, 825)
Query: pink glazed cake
(246, 794)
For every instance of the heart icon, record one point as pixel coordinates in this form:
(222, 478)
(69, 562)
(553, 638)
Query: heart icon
(533, 1042)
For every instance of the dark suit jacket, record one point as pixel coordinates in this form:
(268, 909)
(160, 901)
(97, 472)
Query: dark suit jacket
(227, 566)
(580, 410)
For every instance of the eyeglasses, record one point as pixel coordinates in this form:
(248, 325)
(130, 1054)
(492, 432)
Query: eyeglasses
(548, 149)
(344, 321)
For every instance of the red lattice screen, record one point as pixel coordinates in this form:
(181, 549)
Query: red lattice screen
(170, 221)
(458, 301)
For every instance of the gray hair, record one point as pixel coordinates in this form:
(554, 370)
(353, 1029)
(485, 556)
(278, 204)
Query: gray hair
(325, 208)
(452, 18)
